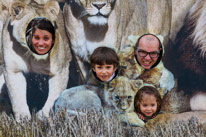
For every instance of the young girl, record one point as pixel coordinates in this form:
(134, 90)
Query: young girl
(147, 103)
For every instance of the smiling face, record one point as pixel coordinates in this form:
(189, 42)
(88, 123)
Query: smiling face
(147, 43)
(148, 105)
(104, 72)
(42, 41)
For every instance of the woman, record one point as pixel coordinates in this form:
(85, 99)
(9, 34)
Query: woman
(40, 35)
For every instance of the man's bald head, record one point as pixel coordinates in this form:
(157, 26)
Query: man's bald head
(149, 39)
(148, 51)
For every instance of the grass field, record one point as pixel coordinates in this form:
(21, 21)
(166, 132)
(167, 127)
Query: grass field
(95, 125)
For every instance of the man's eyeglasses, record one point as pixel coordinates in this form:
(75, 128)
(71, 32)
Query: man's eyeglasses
(143, 53)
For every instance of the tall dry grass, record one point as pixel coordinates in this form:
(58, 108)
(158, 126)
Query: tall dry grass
(94, 125)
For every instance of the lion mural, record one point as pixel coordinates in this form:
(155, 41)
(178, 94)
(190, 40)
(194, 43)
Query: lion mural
(90, 24)
(189, 56)
(121, 95)
(94, 23)
(117, 99)
(171, 15)
(19, 59)
(159, 76)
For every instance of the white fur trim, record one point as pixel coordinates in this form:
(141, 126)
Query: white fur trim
(97, 20)
(198, 101)
(167, 80)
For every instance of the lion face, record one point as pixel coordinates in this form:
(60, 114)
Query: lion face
(122, 101)
(96, 11)
(123, 92)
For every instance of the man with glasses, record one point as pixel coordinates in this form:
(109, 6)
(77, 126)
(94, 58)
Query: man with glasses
(142, 60)
(148, 51)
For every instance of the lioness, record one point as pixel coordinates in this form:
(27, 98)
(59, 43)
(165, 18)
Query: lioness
(19, 59)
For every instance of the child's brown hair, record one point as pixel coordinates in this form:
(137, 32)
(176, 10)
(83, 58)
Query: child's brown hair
(150, 91)
(104, 55)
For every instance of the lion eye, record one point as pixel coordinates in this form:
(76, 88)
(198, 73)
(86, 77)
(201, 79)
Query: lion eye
(117, 97)
(129, 97)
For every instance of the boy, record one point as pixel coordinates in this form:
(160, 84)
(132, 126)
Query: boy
(104, 63)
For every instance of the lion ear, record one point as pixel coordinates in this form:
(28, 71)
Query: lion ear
(136, 84)
(52, 9)
(16, 9)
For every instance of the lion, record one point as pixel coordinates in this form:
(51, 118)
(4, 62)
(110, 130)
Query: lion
(159, 76)
(120, 95)
(94, 23)
(89, 25)
(179, 10)
(188, 63)
(18, 59)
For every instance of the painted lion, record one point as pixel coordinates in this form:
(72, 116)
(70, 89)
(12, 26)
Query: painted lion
(120, 95)
(90, 24)
(118, 100)
(94, 23)
(189, 50)
(159, 76)
(19, 59)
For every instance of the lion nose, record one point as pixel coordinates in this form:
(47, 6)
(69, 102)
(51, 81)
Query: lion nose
(99, 6)
(124, 106)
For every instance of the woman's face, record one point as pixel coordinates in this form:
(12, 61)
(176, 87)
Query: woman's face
(42, 41)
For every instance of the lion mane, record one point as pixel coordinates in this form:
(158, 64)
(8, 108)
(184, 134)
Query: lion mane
(189, 56)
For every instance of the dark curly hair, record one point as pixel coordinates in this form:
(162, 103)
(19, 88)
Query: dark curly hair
(150, 91)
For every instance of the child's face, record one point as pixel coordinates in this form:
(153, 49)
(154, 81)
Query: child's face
(104, 72)
(148, 105)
